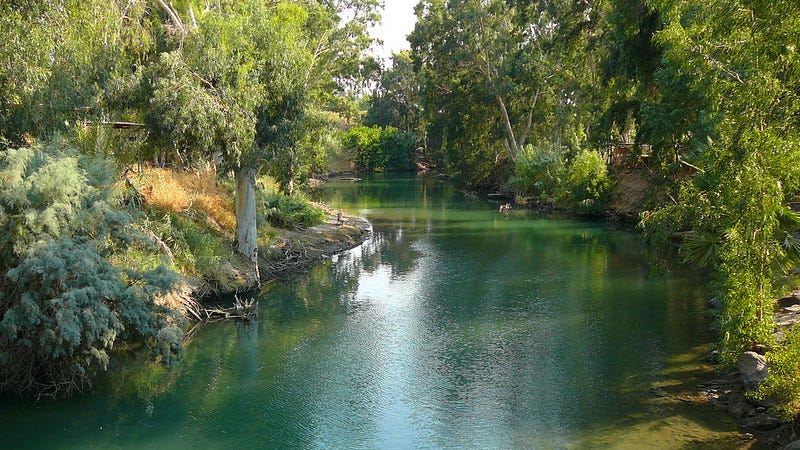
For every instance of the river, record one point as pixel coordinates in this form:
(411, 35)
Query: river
(454, 326)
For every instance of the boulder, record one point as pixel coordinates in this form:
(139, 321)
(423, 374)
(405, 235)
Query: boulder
(793, 446)
(752, 369)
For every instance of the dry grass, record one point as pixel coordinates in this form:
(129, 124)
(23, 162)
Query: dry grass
(183, 191)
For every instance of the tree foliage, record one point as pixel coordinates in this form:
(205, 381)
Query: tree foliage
(376, 149)
(63, 305)
(396, 101)
(496, 75)
(734, 61)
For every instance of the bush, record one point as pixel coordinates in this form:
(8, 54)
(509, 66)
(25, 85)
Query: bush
(783, 379)
(63, 305)
(586, 185)
(68, 308)
(364, 144)
(398, 149)
(290, 212)
(377, 149)
(539, 171)
(195, 247)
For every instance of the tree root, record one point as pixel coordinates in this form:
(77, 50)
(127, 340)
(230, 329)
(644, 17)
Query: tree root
(242, 310)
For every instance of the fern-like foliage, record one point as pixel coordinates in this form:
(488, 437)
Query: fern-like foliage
(63, 305)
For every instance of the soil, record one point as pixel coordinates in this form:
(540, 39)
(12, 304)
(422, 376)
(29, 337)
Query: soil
(294, 252)
(632, 194)
(298, 250)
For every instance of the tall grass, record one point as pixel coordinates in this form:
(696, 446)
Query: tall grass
(188, 192)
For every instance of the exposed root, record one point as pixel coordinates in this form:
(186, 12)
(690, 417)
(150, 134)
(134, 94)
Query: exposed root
(243, 310)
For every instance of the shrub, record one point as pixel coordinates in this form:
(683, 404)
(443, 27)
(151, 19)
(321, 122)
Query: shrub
(69, 307)
(398, 149)
(586, 185)
(364, 144)
(290, 212)
(539, 171)
(377, 149)
(63, 305)
(194, 247)
(783, 379)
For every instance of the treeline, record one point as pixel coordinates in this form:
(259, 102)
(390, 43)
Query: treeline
(515, 94)
(90, 88)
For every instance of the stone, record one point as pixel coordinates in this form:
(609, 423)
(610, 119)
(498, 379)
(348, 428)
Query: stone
(752, 369)
(767, 422)
(793, 446)
(738, 406)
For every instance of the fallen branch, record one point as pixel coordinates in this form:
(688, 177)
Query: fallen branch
(243, 310)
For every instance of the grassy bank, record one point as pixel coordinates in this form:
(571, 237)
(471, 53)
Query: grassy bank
(190, 216)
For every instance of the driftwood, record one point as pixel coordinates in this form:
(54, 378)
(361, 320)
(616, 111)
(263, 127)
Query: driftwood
(243, 310)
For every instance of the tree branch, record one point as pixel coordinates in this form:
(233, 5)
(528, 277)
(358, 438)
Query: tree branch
(512, 141)
(174, 17)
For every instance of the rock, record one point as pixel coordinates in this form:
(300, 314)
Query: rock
(793, 446)
(738, 406)
(752, 369)
(767, 422)
(658, 392)
(715, 303)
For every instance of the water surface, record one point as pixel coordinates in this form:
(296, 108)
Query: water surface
(453, 327)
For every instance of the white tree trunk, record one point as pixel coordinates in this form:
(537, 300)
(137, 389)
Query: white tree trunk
(246, 237)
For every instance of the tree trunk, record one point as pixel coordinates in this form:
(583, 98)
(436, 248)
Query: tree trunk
(511, 140)
(246, 237)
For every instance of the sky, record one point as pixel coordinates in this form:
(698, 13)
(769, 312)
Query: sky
(397, 22)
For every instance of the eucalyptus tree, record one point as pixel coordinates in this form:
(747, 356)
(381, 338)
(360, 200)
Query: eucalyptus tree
(629, 64)
(396, 100)
(58, 59)
(466, 51)
(242, 85)
(227, 89)
(497, 74)
(336, 36)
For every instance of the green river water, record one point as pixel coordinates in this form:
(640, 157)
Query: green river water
(453, 327)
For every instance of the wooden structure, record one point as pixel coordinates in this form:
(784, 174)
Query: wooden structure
(626, 153)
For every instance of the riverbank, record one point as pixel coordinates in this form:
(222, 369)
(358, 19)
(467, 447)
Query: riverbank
(732, 392)
(190, 218)
(292, 253)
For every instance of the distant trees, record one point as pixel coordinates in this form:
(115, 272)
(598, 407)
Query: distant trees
(376, 149)
(497, 75)
(396, 100)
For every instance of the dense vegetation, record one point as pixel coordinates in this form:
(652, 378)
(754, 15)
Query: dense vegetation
(533, 97)
(64, 303)
(700, 95)
(96, 98)
(377, 149)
